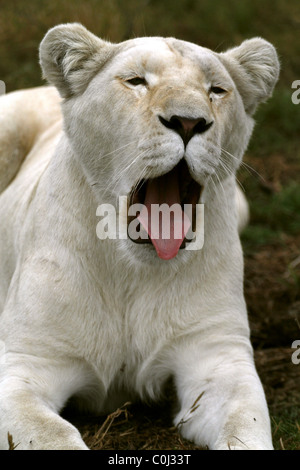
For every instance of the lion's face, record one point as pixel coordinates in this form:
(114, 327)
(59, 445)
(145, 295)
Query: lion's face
(158, 101)
(156, 119)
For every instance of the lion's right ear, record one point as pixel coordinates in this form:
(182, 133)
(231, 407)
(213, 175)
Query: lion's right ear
(254, 66)
(70, 56)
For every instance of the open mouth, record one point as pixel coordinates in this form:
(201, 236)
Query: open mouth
(168, 210)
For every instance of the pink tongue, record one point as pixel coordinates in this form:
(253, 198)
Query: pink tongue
(164, 190)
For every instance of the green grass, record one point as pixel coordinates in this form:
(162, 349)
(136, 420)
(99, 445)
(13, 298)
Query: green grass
(286, 430)
(283, 212)
(277, 126)
(272, 216)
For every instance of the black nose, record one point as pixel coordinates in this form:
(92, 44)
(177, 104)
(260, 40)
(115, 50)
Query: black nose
(186, 127)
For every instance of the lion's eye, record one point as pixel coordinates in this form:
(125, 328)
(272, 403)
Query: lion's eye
(137, 81)
(217, 90)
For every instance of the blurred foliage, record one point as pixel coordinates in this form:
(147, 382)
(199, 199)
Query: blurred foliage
(277, 125)
(213, 23)
(272, 216)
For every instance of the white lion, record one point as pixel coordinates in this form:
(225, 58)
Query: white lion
(102, 321)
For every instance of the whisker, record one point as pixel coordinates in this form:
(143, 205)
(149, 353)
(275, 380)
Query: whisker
(120, 148)
(115, 180)
(230, 172)
(244, 164)
(252, 170)
(240, 185)
(224, 165)
(139, 181)
(138, 186)
(115, 154)
(220, 183)
(120, 174)
(211, 179)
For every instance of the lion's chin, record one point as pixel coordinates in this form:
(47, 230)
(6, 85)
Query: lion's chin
(167, 211)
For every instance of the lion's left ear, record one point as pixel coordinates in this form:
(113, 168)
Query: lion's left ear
(254, 67)
(70, 56)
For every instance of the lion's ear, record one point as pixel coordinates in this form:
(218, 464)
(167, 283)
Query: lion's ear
(70, 56)
(254, 67)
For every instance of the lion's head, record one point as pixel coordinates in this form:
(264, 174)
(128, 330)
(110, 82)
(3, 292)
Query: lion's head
(157, 119)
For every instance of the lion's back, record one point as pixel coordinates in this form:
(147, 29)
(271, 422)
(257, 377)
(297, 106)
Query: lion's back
(25, 115)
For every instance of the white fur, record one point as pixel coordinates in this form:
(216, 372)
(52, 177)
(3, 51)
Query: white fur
(107, 320)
